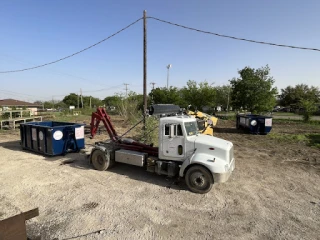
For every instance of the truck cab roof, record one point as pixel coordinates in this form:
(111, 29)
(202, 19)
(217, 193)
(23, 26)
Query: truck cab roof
(177, 119)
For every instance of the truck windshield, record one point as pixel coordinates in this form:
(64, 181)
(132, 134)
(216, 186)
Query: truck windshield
(191, 128)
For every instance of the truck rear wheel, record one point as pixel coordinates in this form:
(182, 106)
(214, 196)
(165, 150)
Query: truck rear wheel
(199, 179)
(101, 160)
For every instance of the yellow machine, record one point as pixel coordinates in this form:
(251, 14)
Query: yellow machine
(205, 121)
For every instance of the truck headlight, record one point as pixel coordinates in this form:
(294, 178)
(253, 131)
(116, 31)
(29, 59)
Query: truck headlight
(253, 123)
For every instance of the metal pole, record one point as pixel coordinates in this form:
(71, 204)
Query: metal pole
(168, 67)
(81, 98)
(228, 100)
(126, 84)
(168, 77)
(144, 68)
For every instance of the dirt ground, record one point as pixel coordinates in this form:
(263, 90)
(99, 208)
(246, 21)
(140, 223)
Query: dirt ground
(274, 193)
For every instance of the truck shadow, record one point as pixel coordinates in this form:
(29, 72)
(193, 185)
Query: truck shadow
(133, 172)
(130, 171)
(140, 174)
(75, 160)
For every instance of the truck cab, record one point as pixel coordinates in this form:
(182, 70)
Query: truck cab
(180, 141)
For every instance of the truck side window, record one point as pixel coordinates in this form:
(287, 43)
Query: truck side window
(179, 130)
(166, 129)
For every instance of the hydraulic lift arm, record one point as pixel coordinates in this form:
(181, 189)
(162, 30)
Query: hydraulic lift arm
(101, 116)
(96, 118)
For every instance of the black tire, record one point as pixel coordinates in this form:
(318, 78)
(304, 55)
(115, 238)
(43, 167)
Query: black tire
(101, 160)
(199, 179)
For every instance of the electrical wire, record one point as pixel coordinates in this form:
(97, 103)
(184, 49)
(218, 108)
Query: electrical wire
(88, 81)
(15, 94)
(171, 23)
(25, 69)
(88, 91)
(235, 38)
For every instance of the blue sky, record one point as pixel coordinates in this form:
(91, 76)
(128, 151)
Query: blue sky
(34, 32)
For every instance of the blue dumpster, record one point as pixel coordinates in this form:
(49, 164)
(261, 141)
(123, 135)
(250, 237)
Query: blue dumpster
(52, 138)
(256, 124)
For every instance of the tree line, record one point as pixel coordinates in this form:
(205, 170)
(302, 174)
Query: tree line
(253, 90)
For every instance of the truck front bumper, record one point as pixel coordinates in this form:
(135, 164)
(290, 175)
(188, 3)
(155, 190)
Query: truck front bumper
(223, 177)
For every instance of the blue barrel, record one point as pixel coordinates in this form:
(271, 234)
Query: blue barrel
(52, 138)
(255, 124)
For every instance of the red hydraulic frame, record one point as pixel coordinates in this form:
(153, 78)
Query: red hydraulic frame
(101, 115)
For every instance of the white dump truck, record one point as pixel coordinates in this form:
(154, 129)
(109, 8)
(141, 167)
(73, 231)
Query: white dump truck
(202, 160)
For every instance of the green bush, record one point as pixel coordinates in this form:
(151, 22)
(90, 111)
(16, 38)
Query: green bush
(309, 109)
(150, 135)
(128, 109)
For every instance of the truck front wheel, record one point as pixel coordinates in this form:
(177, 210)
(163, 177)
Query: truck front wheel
(199, 179)
(101, 160)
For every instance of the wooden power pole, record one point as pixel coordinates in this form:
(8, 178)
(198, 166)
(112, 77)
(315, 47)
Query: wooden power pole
(144, 68)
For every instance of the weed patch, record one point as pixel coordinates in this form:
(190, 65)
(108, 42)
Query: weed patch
(312, 140)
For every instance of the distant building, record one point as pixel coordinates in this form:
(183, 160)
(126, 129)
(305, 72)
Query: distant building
(7, 104)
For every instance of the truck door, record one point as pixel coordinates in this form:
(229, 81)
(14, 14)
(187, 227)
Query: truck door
(173, 141)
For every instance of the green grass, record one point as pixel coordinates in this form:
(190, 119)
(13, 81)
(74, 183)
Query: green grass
(312, 140)
(298, 121)
(284, 114)
(70, 118)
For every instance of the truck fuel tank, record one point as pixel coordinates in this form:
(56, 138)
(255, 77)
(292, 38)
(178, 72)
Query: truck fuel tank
(130, 157)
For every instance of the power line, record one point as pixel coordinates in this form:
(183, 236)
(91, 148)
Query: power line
(24, 62)
(171, 23)
(236, 38)
(6, 92)
(20, 70)
(89, 91)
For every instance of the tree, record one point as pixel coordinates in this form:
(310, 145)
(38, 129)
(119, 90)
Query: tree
(254, 90)
(95, 102)
(167, 96)
(137, 98)
(223, 94)
(39, 102)
(309, 108)
(294, 95)
(71, 100)
(112, 100)
(60, 104)
(199, 95)
(48, 104)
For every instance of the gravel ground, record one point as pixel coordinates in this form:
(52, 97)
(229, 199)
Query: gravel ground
(274, 193)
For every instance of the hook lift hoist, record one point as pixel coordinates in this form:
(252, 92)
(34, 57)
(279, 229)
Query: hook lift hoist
(202, 160)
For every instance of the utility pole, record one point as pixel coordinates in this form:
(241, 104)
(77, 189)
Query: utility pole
(90, 101)
(81, 98)
(153, 83)
(52, 103)
(78, 101)
(144, 69)
(228, 99)
(126, 84)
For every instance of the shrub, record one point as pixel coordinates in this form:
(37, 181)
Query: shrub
(309, 109)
